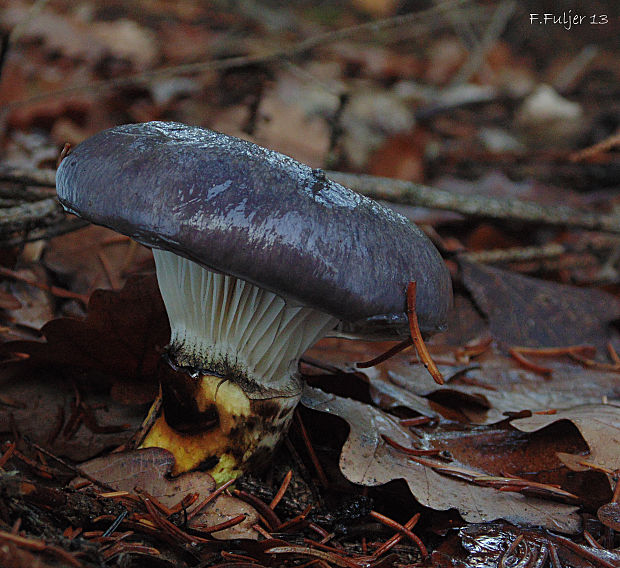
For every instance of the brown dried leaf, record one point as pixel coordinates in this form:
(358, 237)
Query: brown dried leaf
(78, 258)
(528, 312)
(91, 42)
(123, 336)
(42, 406)
(223, 509)
(497, 184)
(367, 460)
(493, 382)
(149, 470)
(599, 425)
(35, 306)
(609, 515)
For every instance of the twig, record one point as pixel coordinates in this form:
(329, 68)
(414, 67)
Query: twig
(518, 356)
(401, 529)
(40, 546)
(221, 526)
(331, 557)
(28, 176)
(278, 496)
(25, 216)
(417, 421)
(272, 521)
(116, 523)
(584, 553)
(409, 451)
(54, 290)
(314, 458)
(209, 499)
(496, 26)
(386, 355)
(388, 544)
(515, 254)
(503, 563)
(60, 227)
(574, 68)
(594, 151)
(409, 193)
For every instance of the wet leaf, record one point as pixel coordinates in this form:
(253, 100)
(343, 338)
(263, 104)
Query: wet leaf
(490, 546)
(609, 515)
(367, 459)
(493, 382)
(599, 425)
(500, 387)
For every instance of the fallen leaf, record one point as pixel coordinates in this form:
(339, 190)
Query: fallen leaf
(122, 336)
(599, 425)
(93, 257)
(400, 157)
(42, 407)
(368, 118)
(125, 39)
(34, 306)
(149, 470)
(367, 459)
(497, 184)
(77, 39)
(528, 312)
(498, 385)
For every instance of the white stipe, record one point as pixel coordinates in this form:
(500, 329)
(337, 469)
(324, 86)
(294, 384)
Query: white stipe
(222, 320)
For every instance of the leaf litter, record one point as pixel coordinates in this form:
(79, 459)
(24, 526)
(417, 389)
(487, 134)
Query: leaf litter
(367, 459)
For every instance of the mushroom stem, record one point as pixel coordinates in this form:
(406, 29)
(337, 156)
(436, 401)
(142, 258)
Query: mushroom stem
(230, 383)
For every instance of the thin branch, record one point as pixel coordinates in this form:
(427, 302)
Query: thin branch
(409, 193)
(27, 215)
(515, 254)
(494, 30)
(28, 176)
(57, 228)
(595, 151)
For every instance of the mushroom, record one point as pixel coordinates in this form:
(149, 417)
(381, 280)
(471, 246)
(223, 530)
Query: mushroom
(257, 256)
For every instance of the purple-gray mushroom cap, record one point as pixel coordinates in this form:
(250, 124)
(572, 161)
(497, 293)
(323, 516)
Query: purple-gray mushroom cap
(240, 209)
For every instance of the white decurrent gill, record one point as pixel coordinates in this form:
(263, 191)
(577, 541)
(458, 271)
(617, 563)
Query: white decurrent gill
(223, 321)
